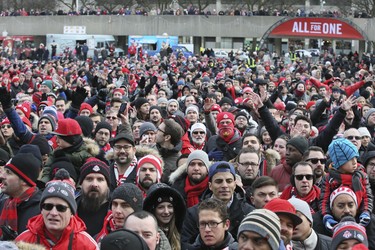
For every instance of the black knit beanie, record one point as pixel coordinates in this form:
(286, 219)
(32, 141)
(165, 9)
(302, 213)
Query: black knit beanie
(101, 125)
(86, 125)
(129, 193)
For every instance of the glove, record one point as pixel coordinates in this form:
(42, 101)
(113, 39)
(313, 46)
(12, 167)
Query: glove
(142, 83)
(78, 97)
(364, 219)
(5, 98)
(44, 97)
(102, 94)
(329, 222)
(8, 233)
(216, 155)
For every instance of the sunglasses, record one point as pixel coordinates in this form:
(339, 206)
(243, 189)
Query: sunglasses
(198, 132)
(300, 177)
(111, 117)
(6, 126)
(351, 137)
(50, 206)
(315, 160)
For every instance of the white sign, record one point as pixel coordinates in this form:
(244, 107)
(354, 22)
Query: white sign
(75, 30)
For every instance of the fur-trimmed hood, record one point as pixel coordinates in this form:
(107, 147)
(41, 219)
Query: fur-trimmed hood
(92, 147)
(273, 158)
(180, 171)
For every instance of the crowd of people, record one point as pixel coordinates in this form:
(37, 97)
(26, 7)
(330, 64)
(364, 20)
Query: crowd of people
(187, 153)
(190, 10)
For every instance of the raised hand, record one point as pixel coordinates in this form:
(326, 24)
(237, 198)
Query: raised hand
(208, 103)
(349, 103)
(5, 98)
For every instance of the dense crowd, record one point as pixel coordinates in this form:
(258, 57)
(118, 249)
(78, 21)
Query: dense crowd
(190, 10)
(188, 153)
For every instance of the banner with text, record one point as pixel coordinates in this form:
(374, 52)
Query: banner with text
(316, 27)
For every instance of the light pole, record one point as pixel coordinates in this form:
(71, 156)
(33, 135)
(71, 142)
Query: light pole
(322, 3)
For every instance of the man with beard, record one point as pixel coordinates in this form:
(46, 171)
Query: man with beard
(198, 134)
(124, 162)
(248, 166)
(243, 122)
(288, 218)
(93, 201)
(102, 134)
(317, 159)
(227, 144)
(156, 115)
(149, 172)
(191, 179)
(295, 148)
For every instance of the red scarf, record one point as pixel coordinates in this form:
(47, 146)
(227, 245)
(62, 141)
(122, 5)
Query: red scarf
(193, 192)
(9, 214)
(291, 191)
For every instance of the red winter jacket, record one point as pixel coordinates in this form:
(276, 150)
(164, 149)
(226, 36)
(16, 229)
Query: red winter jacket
(80, 240)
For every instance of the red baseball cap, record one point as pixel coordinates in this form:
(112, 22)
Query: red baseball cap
(67, 127)
(280, 206)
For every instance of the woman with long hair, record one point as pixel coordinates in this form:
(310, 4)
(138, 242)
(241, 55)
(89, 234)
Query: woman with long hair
(169, 208)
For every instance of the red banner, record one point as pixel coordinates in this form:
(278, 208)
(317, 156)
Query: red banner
(316, 27)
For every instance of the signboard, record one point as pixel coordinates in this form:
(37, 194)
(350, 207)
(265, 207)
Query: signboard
(74, 30)
(316, 27)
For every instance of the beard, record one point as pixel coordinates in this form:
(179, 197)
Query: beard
(148, 184)
(198, 141)
(318, 172)
(197, 180)
(93, 200)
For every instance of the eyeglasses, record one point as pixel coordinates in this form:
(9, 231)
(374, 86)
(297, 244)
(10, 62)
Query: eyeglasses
(6, 126)
(111, 117)
(161, 131)
(315, 160)
(210, 224)
(300, 177)
(249, 164)
(122, 147)
(50, 206)
(194, 93)
(351, 137)
(199, 132)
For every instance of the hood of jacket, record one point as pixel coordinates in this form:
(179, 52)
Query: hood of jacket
(178, 173)
(36, 226)
(91, 146)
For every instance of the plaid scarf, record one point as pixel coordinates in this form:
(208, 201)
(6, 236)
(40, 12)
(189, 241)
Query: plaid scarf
(9, 214)
(193, 192)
